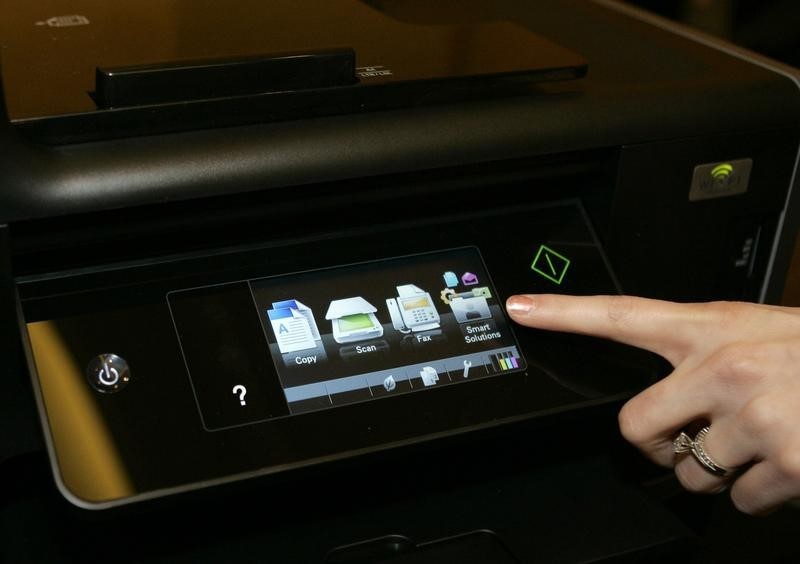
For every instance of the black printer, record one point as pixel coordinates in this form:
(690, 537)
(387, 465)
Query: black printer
(255, 257)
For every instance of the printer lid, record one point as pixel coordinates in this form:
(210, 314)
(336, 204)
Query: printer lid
(145, 67)
(349, 306)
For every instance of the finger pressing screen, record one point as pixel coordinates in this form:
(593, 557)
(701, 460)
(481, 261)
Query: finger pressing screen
(665, 328)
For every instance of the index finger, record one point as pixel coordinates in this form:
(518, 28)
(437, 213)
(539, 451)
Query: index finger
(665, 328)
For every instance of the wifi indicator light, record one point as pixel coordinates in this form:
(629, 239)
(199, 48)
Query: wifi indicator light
(720, 179)
(721, 172)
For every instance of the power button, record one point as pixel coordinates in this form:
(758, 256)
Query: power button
(108, 373)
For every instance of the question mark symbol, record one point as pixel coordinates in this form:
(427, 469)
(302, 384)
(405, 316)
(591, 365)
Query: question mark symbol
(241, 391)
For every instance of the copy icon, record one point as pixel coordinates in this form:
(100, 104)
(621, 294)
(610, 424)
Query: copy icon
(292, 329)
(303, 310)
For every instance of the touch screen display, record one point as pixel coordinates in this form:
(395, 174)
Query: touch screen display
(373, 330)
(345, 335)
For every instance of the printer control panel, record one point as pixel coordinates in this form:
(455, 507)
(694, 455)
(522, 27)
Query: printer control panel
(353, 354)
(157, 378)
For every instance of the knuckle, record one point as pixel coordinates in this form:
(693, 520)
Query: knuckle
(743, 500)
(629, 423)
(634, 423)
(788, 464)
(760, 415)
(738, 364)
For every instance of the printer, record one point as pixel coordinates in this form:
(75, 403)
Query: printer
(255, 256)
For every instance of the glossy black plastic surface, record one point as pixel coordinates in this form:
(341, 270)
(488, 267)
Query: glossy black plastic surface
(311, 58)
(148, 439)
(193, 80)
(645, 84)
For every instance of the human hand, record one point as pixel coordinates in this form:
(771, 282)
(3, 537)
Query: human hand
(736, 368)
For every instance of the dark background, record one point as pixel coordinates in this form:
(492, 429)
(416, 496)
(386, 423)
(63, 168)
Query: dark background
(769, 27)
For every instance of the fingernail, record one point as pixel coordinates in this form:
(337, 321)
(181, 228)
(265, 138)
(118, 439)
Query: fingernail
(519, 305)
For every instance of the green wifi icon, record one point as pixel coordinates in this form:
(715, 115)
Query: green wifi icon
(721, 172)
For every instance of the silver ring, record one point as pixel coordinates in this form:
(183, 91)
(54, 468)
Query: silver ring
(684, 443)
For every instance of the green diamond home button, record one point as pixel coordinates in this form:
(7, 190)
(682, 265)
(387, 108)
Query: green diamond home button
(550, 264)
